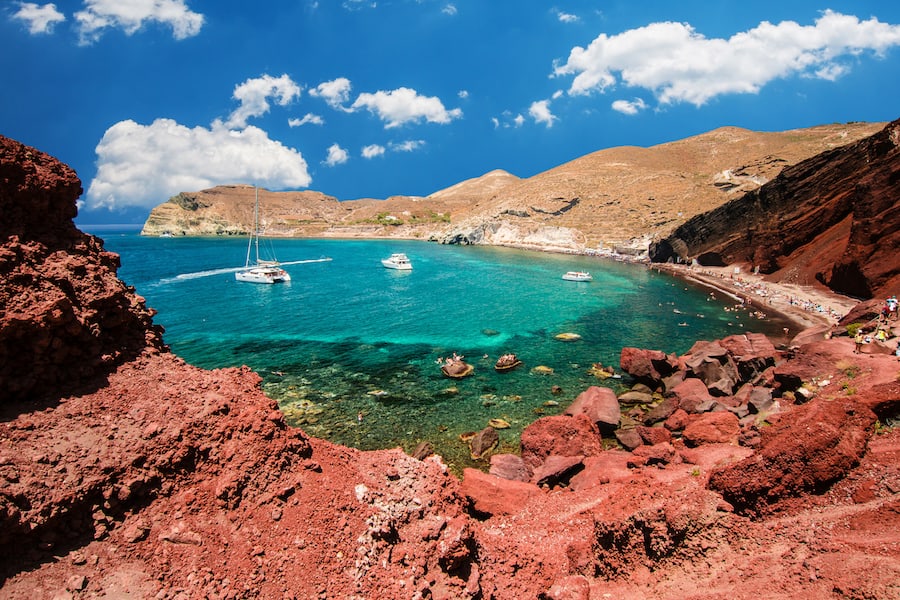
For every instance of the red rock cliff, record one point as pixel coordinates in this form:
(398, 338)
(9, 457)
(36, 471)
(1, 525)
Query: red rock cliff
(66, 316)
(833, 218)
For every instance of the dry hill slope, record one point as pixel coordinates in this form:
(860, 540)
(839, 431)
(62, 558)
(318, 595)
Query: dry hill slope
(619, 197)
(611, 197)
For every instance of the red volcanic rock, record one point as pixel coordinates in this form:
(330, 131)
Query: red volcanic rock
(559, 435)
(808, 449)
(714, 366)
(600, 405)
(832, 219)
(492, 495)
(647, 366)
(509, 466)
(691, 395)
(657, 454)
(37, 195)
(720, 427)
(753, 353)
(67, 318)
(557, 470)
(654, 435)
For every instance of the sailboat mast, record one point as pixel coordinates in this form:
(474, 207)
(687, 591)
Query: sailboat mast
(256, 224)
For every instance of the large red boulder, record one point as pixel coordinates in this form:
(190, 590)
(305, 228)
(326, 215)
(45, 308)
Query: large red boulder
(647, 366)
(559, 435)
(692, 396)
(807, 450)
(720, 427)
(600, 404)
(489, 495)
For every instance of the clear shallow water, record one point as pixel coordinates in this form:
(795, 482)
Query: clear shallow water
(348, 337)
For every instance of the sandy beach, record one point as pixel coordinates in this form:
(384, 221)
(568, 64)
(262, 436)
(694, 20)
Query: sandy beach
(804, 306)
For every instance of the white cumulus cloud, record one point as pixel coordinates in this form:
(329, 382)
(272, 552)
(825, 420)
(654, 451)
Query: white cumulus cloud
(335, 92)
(678, 64)
(254, 96)
(629, 107)
(143, 165)
(405, 105)
(308, 119)
(131, 15)
(540, 112)
(407, 145)
(372, 150)
(336, 156)
(566, 17)
(40, 19)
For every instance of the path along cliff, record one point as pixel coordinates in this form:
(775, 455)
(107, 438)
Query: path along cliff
(742, 471)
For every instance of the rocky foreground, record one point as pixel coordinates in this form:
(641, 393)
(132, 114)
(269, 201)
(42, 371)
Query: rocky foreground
(740, 470)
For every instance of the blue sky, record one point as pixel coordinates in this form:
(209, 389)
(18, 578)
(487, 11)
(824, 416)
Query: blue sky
(372, 98)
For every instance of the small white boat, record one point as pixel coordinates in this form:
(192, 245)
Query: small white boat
(260, 271)
(577, 276)
(397, 261)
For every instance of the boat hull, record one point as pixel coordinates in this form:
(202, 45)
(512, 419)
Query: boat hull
(577, 276)
(398, 261)
(399, 267)
(263, 275)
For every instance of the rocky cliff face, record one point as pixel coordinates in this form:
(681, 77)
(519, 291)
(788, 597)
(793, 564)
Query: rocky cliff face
(154, 479)
(832, 219)
(66, 316)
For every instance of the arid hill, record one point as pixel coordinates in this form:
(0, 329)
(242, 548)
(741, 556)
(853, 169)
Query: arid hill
(619, 197)
(743, 471)
(833, 219)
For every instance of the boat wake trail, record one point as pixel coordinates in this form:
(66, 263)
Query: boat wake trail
(211, 272)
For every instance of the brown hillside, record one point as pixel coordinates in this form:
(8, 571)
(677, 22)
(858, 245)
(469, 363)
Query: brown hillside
(617, 194)
(607, 198)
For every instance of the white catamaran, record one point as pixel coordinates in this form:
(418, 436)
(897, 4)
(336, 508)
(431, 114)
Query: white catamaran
(260, 271)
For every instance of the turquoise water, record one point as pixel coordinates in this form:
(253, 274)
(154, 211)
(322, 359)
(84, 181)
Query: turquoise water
(349, 349)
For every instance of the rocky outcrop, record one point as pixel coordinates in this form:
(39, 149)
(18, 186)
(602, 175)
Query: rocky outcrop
(66, 317)
(833, 219)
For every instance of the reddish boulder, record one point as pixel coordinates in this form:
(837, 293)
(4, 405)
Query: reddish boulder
(647, 366)
(714, 366)
(658, 454)
(692, 396)
(557, 470)
(559, 435)
(678, 420)
(752, 352)
(490, 495)
(654, 435)
(509, 466)
(807, 450)
(610, 466)
(629, 438)
(661, 411)
(720, 427)
(600, 405)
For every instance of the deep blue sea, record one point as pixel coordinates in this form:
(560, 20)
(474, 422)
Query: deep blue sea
(349, 349)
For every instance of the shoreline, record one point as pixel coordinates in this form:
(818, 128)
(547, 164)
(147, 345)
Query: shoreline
(802, 306)
(805, 307)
